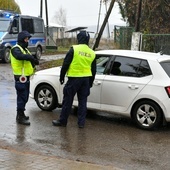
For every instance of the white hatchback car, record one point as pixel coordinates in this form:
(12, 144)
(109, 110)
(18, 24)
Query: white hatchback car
(130, 83)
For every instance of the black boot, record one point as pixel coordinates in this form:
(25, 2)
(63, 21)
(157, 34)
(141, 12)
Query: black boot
(22, 114)
(21, 118)
(26, 117)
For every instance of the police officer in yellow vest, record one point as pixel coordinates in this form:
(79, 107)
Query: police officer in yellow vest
(80, 67)
(23, 66)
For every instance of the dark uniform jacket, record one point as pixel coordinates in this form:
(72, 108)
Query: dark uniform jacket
(68, 59)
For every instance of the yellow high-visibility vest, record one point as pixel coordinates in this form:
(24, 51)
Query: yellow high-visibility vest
(82, 60)
(21, 67)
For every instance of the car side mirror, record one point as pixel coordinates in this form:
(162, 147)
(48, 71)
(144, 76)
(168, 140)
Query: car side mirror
(14, 30)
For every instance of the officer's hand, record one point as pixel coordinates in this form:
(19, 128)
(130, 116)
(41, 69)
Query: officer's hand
(36, 61)
(61, 80)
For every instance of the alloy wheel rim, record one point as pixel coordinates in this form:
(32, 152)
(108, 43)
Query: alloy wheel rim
(45, 98)
(146, 115)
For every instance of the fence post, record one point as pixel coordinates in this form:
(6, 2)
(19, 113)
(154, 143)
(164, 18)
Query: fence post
(136, 41)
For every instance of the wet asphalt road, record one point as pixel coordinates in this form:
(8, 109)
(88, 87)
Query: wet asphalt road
(106, 139)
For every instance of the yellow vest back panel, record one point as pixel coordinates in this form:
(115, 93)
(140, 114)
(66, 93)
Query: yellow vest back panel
(82, 60)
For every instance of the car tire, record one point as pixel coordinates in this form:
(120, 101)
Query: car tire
(46, 98)
(6, 58)
(38, 53)
(147, 115)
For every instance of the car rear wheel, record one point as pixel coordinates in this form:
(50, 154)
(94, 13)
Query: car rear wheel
(46, 98)
(147, 115)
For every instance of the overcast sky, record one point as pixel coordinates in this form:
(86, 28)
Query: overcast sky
(79, 12)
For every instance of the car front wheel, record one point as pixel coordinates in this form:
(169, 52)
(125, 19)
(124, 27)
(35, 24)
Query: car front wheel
(147, 115)
(38, 53)
(6, 58)
(46, 98)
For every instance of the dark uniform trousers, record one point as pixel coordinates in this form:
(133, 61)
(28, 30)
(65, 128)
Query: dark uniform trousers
(22, 90)
(82, 88)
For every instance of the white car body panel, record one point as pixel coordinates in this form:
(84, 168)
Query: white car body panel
(129, 88)
(49, 76)
(117, 94)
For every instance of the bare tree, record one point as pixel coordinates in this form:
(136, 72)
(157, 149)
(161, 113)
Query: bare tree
(60, 17)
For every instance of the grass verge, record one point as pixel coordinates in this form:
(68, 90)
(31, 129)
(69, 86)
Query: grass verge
(50, 64)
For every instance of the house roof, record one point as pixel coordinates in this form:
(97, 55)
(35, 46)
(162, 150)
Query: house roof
(76, 29)
(55, 25)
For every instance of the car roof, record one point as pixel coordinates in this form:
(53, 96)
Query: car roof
(135, 54)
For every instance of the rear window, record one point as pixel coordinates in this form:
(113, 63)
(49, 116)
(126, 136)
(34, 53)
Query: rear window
(166, 67)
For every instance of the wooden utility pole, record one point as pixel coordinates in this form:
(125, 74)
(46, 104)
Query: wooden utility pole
(103, 25)
(41, 8)
(46, 13)
(99, 16)
(137, 24)
(46, 10)
(108, 30)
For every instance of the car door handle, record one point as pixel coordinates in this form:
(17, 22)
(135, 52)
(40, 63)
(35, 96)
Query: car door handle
(133, 87)
(97, 83)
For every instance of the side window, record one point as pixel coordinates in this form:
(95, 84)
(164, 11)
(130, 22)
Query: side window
(166, 66)
(27, 25)
(125, 66)
(38, 26)
(144, 69)
(131, 67)
(101, 62)
(115, 70)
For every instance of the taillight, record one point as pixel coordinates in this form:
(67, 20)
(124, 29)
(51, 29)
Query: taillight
(168, 90)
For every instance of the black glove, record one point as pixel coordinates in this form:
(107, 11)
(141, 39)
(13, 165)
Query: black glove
(36, 61)
(61, 80)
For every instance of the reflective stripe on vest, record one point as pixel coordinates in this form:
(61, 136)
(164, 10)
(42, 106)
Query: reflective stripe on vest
(82, 60)
(21, 67)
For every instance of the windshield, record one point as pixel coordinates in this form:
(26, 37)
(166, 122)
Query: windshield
(4, 24)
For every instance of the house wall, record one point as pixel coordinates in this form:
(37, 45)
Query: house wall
(55, 33)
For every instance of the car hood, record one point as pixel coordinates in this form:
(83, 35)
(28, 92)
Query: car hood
(50, 71)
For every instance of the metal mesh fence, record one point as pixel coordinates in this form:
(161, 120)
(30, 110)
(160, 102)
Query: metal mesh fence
(123, 36)
(156, 43)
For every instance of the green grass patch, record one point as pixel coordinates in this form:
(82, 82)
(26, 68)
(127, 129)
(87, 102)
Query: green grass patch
(50, 64)
(59, 50)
